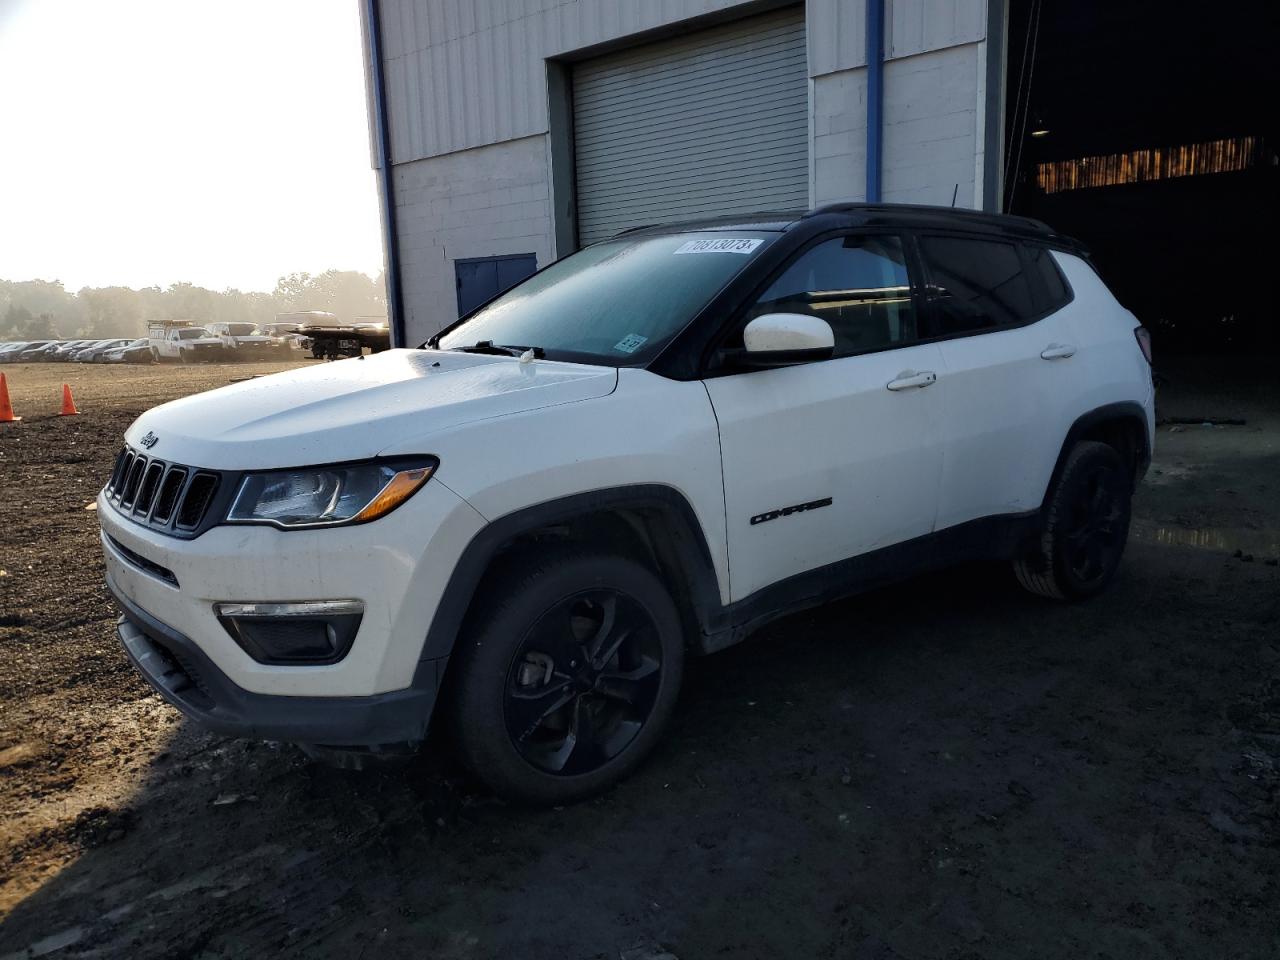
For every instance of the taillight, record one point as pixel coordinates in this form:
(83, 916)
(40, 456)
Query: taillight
(1143, 336)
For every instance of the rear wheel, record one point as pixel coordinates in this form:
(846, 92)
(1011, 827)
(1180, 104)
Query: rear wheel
(567, 678)
(1086, 526)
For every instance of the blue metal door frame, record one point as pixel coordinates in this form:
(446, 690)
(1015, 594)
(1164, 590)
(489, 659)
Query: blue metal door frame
(480, 279)
(875, 96)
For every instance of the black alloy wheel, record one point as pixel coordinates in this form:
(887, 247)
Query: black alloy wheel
(583, 682)
(1096, 525)
(1086, 526)
(565, 674)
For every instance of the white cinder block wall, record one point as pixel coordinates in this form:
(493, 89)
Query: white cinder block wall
(481, 202)
(934, 96)
(467, 105)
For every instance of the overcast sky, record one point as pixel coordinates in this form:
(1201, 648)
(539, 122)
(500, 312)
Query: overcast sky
(150, 141)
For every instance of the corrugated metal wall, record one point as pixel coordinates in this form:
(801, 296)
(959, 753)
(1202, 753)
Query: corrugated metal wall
(464, 73)
(468, 108)
(914, 26)
(715, 122)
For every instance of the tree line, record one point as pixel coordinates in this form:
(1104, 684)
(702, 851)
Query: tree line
(44, 309)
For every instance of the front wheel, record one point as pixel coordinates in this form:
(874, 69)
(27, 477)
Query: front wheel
(1086, 526)
(567, 677)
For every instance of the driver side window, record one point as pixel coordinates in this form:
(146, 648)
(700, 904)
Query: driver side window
(858, 284)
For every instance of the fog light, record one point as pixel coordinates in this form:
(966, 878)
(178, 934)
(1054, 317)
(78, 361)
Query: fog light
(312, 632)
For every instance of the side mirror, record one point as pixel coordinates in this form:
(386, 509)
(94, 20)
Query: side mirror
(783, 339)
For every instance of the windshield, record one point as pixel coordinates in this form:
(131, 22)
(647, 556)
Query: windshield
(241, 329)
(616, 302)
(195, 333)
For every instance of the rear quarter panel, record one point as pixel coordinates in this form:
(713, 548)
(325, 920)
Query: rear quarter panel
(1111, 366)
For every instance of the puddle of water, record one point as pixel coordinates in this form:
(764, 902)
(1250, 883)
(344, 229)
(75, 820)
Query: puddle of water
(1260, 543)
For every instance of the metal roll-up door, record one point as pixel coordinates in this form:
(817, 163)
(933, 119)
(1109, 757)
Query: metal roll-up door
(713, 122)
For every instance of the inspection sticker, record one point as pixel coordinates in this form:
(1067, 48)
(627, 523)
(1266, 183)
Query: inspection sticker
(630, 343)
(718, 246)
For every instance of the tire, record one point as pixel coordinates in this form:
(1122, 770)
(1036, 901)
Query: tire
(538, 729)
(182, 356)
(1086, 526)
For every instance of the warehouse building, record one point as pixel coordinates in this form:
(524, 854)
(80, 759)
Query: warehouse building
(509, 133)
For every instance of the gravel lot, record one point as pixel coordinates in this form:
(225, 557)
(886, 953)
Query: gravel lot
(948, 768)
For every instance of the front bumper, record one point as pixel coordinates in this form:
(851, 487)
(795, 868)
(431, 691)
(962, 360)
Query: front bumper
(397, 567)
(189, 680)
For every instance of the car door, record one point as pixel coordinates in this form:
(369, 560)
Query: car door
(1006, 375)
(827, 460)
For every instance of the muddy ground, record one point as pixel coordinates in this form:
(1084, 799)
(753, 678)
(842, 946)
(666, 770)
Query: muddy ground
(945, 769)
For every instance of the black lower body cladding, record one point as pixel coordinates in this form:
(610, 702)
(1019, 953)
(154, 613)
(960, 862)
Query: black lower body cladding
(185, 676)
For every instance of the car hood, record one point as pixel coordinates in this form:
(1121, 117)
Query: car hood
(354, 409)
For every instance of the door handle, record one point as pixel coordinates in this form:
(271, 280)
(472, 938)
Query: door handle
(1057, 351)
(909, 379)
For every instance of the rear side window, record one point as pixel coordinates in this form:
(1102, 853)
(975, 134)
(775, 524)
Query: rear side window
(976, 285)
(858, 284)
(1053, 289)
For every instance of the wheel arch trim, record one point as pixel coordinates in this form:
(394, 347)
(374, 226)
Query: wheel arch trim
(689, 544)
(1128, 412)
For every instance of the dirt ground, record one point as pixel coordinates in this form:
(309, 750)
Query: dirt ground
(945, 769)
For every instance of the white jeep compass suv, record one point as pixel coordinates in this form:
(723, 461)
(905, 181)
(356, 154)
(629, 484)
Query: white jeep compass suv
(642, 452)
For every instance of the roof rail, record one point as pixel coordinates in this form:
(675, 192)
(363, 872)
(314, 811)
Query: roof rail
(640, 226)
(912, 214)
(956, 213)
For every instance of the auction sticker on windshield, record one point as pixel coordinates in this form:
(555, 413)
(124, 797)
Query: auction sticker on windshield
(726, 245)
(630, 343)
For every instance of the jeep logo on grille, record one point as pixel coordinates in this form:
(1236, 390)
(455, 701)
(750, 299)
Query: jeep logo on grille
(150, 440)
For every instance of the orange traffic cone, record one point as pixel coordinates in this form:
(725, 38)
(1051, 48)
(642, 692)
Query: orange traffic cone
(68, 405)
(6, 408)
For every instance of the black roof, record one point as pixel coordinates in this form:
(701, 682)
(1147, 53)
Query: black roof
(905, 215)
(770, 221)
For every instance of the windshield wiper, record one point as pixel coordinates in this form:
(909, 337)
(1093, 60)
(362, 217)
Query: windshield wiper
(501, 349)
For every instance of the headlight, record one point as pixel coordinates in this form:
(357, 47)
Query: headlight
(327, 496)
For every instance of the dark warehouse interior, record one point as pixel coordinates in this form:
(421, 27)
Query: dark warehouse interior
(1148, 131)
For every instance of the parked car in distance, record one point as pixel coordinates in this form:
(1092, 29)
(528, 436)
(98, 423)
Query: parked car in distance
(184, 341)
(65, 348)
(641, 453)
(245, 341)
(135, 351)
(36, 351)
(96, 351)
(286, 332)
(11, 349)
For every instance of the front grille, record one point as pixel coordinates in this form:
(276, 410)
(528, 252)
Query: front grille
(132, 477)
(170, 497)
(174, 481)
(199, 494)
(147, 490)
